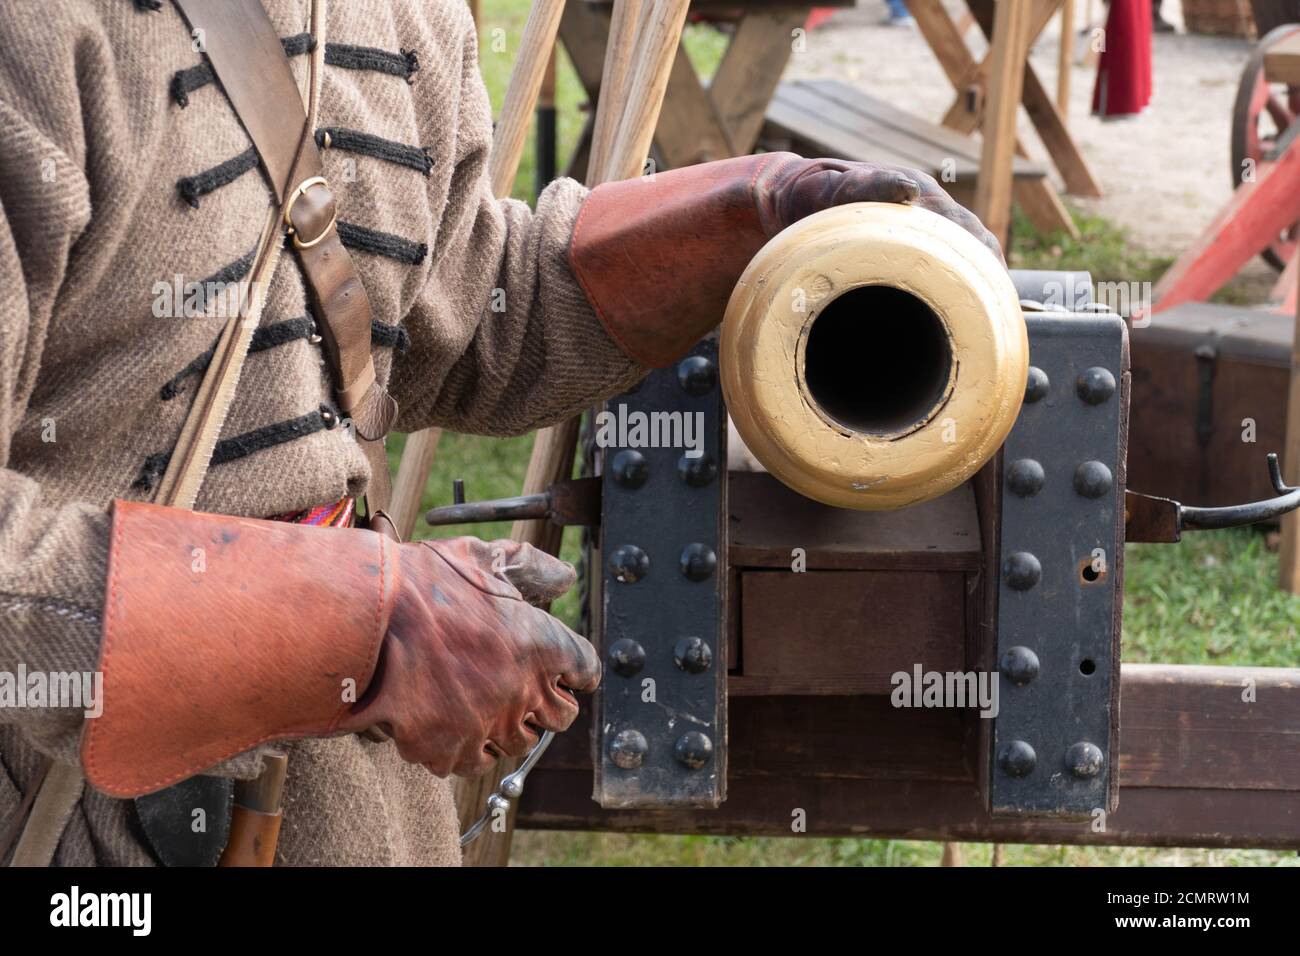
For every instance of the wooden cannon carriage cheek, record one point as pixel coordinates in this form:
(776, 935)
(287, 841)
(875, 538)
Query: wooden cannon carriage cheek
(773, 663)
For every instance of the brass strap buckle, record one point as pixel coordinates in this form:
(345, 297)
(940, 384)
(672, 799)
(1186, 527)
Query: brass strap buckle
(298, 191)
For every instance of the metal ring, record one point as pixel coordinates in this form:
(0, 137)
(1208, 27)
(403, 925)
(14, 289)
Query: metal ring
(294, 196)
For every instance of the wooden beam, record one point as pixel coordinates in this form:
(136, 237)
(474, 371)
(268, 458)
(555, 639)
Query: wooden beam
(1041, 203)
(613, 81)
(1037, 198)
(1001, 107)
(1199, 766)
(1064, 57)
(1048, 121)
(690, 130)
(750, 71)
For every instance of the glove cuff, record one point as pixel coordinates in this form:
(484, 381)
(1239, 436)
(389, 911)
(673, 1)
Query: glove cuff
(220, 633)
(658, 255)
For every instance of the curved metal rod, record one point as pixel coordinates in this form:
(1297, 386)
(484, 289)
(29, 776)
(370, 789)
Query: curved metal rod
(1206, 519)
(499, 509)
(510, 788)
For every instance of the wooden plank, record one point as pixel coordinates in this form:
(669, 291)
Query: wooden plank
(1199, 767)
(1002, 105)
(847, 632)
(751, 69)
(806, 109)
(1245, 730)
(1031, 188)
(769, 521)
(827, 127)
(928, 810)
(1282, 61)
(883, 113)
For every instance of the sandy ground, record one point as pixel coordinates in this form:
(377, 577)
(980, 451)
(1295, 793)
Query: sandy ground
(1164, 173)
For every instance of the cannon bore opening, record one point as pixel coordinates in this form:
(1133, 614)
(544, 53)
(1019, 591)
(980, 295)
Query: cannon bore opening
(878, 360)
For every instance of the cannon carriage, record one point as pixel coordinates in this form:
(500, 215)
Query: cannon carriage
(794, 646)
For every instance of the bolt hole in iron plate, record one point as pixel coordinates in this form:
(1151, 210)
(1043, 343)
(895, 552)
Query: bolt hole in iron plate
(1087, 667)
(1088, 574)
(878, 360)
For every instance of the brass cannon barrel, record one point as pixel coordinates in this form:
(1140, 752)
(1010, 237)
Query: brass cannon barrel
(874, 356)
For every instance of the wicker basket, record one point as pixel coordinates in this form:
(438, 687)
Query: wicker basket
(1219, 17)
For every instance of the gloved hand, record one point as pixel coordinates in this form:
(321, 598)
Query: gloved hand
(469, 668)
(658, 256)
(220, 633)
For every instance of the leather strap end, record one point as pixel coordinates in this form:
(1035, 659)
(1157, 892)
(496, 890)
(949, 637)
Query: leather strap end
(371, 409)
(221, 633)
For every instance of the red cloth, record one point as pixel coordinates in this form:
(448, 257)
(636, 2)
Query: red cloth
(1124, 73)
(817, 16)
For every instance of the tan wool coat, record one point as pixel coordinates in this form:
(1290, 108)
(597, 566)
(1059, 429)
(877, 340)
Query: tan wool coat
(124, 174)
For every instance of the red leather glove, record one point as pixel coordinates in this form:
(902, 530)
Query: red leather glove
(658, 256)
(221, 633)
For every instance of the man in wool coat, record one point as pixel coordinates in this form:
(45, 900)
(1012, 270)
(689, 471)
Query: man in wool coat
(125, 177)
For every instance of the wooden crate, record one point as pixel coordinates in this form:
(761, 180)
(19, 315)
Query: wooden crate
(1219, 17)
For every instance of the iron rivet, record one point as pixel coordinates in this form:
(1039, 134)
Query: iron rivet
(1037, 385)
(693, 749)
(697, 472)
(1019, 665)
(1096, 385)
(1017, 759)
(629, 468)
(697, 375)
(629, 564)
(698, 562)
(1022, 570)
(328, 417)
(1092, 479)
(626, 657)
(1025, 477)
(628, 749)
(693, 655)
(1084, 760)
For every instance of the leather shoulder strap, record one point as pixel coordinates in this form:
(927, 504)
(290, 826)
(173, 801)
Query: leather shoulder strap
(246, 56)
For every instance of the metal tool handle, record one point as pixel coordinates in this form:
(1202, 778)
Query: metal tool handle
(510, 788)
(1232, 516)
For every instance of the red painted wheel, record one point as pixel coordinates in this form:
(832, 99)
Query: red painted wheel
(1261, 115)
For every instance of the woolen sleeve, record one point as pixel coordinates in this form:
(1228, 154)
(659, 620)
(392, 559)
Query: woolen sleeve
(503, 339)
(53, 555)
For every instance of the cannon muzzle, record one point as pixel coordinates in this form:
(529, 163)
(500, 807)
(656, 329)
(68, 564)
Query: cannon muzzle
(874, 356)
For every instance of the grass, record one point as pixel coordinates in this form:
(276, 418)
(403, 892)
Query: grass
(1211, 599)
